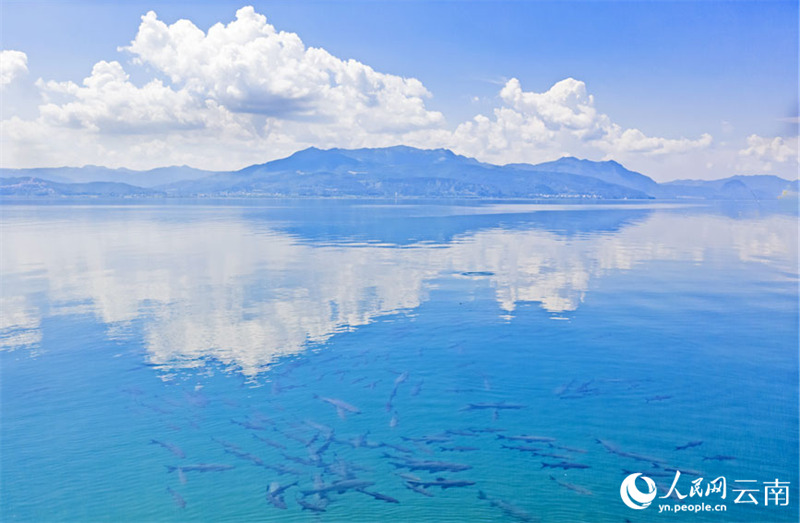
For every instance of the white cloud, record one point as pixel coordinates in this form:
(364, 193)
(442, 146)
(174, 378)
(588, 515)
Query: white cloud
(763, 152)
(533, 127)
(108, 102)
(238, 94)
(248, 66)
(245, 92)
(13, 64)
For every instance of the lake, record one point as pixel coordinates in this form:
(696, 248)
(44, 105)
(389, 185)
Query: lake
(398, 361)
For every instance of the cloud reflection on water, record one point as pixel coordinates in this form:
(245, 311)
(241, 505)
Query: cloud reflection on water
(244, 293)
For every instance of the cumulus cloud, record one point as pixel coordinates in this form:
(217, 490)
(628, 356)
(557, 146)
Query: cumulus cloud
(245, 92)
(248, 66)
(763, 152)
(108, 102)
(13, 64)
(532, 127)
(237, 94)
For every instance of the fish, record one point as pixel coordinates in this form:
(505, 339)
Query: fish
(378, 496)
(400, 379)
(360, 441)
(550, 455)
(673, 470)
(487, 430)
(652, 473)
(299, 461)
(177, 498)
(568, 449)
(393, 422)
(563, 388)
(458, 448)
(689, 445)
(417, 388)
(522, 448)
(261, 417)
(246, 456)
(407, 477)
(277, 388)
(657, 398)
(339, 486)
(431, 466)
(270, 442)
(418, 489)
(398, 448)
(170, 447)
(536, 451)
(466, 433)
(313, 439)
(572, 487)
(293, 436)
(283, 469)
(638, 457)
(424, 448)
(343, 469)
(318, 426)
(494, 406)
(508, 508)
(436, 438)
(342, 407)
(320, 506)
(275, 494)
(580, 395)
(443, 483)
(227, 444)
(277, 489)
(200, 467)
(718, 458)
(249, 425)
(322, 448)
(565, 465)
(527, 438)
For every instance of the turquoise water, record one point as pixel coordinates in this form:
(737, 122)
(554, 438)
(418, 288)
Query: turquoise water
(219, 330)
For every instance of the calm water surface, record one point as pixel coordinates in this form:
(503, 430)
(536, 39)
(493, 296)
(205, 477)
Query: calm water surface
(170, 362)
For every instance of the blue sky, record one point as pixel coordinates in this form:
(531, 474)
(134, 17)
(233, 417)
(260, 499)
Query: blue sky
(673, 89)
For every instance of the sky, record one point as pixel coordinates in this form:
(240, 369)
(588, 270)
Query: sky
(674, 90)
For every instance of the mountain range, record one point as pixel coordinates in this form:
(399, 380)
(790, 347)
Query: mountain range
(390, 172)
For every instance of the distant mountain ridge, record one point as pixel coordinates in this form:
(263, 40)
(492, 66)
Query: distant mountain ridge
(399, 171)
(37, 187)
(395, 172)
(95, 173)
(608, 171)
